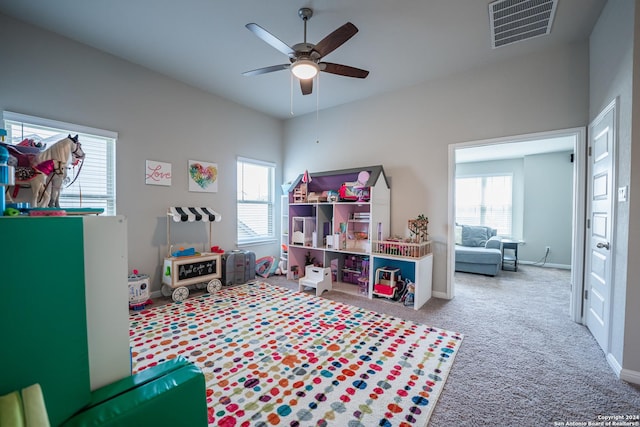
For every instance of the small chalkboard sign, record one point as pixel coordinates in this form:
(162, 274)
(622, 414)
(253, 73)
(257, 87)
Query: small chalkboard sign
(197, 269)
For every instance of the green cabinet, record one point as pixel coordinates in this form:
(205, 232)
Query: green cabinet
(64, 307)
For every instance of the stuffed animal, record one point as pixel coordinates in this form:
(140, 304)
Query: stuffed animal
(281, 267)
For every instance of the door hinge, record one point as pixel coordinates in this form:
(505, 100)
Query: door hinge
(586, 294)
(588, 223)
(589, 151)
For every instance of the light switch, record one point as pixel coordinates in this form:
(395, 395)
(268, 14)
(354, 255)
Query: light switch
(622, 194)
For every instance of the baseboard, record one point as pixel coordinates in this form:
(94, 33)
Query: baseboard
(624, 374)
(630, 376)
(437, 294)
(613, 363)
(156, 294)
(549, 265)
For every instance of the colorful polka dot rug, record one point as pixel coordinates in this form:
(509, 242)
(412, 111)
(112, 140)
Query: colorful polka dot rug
(272, 356)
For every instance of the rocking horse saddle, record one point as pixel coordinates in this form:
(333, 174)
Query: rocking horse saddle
(24, 155)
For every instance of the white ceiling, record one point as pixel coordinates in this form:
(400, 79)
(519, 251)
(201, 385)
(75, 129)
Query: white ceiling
(204, 43)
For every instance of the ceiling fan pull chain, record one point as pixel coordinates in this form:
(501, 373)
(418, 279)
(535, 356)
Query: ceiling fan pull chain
(318, 108)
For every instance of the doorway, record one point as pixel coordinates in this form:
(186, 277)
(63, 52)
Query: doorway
(502, 148)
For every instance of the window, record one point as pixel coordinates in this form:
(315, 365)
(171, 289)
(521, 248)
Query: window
(485, 200)
(95, 185)
(255, 201)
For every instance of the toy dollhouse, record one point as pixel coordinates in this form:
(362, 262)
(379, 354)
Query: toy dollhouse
(344, 226)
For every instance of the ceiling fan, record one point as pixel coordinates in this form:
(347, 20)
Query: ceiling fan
(305, 57)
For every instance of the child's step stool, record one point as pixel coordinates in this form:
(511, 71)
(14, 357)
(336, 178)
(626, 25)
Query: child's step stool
(316, 277)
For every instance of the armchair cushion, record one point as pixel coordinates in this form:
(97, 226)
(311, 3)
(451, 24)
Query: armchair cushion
(494, 242)
(476, 235)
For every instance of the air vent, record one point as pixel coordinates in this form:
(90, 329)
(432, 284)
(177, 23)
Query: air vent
(516, 20)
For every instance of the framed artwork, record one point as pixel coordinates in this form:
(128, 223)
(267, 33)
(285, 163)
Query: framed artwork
(157, 173)
(203, 176)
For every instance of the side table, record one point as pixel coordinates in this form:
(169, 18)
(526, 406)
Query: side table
(510, 254)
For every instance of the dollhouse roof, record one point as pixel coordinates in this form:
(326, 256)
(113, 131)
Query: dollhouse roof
(331, 180)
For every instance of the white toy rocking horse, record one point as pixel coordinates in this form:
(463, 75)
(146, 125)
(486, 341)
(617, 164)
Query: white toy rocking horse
(46, 171)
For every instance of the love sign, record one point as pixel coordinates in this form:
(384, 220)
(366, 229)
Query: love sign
(157, 173)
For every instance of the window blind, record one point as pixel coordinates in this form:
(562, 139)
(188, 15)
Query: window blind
(255, 201)
(485, 200)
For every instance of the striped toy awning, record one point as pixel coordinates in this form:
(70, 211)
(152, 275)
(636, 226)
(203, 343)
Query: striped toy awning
(193, 214)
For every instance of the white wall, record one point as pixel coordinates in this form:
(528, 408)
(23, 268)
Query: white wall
(157, 118)
(612, 74)
(548, 208)
(409, 131)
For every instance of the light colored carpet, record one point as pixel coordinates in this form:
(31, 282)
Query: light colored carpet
(524, 362)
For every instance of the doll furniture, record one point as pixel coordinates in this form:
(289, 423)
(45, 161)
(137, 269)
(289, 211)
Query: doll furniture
(386, 282)
(316, 277)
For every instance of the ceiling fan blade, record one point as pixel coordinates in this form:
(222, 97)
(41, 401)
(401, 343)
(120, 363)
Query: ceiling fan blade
(343, 70)
(336, 39)
(266, 70)
(270, 39)
(306, 86)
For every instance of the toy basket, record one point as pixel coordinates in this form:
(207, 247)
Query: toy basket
(138, 290)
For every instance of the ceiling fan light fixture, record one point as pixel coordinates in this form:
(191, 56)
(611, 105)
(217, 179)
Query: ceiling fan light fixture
(305, 69)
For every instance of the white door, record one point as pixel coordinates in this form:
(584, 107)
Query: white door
(601, 198)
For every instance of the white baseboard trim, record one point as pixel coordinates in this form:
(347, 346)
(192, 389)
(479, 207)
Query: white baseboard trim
(562, 266)
(630, 376)
(442, 295)
(624, 374)
(156, 294)
(613, 363)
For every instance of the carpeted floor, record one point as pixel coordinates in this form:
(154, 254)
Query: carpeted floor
(524, 362)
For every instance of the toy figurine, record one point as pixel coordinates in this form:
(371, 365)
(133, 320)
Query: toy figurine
(410, 295)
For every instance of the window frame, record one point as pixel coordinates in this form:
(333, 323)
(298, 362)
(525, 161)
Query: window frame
(270, 236)
(110, 138)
